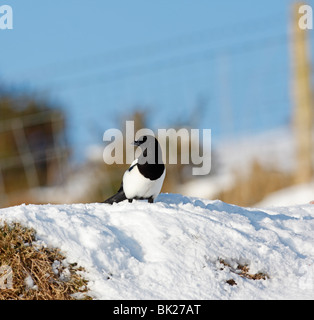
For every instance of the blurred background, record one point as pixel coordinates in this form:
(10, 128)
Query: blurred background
(70, 70)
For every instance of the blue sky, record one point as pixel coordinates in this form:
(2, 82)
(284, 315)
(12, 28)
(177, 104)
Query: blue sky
(227, 60)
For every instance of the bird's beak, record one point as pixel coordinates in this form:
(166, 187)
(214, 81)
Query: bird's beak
(136, 143)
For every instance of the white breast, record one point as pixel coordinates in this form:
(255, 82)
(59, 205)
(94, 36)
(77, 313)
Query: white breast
(136, 185)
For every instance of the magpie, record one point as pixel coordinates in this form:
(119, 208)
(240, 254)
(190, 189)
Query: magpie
(144, 178)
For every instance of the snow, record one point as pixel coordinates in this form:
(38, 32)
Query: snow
(298, 194)
(171, 249)
(274, 149)
(30, 283)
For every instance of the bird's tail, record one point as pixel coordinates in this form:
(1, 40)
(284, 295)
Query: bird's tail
(119, 196)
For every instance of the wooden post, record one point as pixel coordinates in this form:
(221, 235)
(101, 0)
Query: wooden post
(303, 99)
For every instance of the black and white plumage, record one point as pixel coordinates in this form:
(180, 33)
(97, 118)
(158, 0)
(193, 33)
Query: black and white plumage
(144, 178)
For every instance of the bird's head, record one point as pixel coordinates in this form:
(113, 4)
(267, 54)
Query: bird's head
(141, 140)
(151, 149)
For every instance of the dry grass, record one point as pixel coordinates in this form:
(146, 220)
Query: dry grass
(256, 185)
(242, 271)
(39, 273)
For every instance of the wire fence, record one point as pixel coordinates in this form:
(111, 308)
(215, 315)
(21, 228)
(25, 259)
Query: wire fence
(35, 157)
(240, 73)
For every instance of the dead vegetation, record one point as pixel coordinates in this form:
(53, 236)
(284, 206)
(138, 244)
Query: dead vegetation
(242, 271)
(38, 272)
(256, 185)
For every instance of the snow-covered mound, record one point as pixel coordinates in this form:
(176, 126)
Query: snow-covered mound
(293, 195)
(171, 249)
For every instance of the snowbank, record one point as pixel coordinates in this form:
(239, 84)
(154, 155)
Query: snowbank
(298, 194)
(171, 249)
(274, 150)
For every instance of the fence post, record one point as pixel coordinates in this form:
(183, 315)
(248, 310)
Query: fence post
(303, 100)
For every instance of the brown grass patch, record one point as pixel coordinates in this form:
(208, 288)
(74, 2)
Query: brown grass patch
(38, 272)
(251, 188)
(242, 271)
